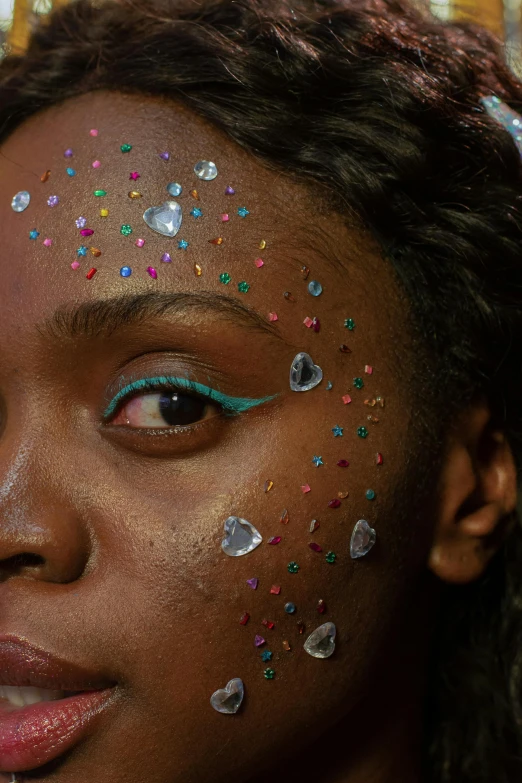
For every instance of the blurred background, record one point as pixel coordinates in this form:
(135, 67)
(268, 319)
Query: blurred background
(503, 17)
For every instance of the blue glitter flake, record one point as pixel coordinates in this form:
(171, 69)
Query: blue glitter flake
(34, 234)
(370, 494)
(196, 212)
(243, 212)
(315, 288)
(70, 172)
(329, 386)
(317, 461)
(183, 244)
(82, 251)
(125, 271)
(266, 655)
(337, 431)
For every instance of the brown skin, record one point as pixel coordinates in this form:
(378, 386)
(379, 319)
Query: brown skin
(128, 523)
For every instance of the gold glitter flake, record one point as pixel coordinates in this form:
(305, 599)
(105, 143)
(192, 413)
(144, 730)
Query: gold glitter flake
(262, 244)
(104, 213)
(134, 194)
(268, 485)
(96, 253)
(286, 645)
(197, 270)
(194, 194)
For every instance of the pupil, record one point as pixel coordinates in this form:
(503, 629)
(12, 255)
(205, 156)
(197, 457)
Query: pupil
(179, 409)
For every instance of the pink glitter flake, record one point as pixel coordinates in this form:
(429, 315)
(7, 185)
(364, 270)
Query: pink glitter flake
(274, 540)
(305, 488)
(140, 242)
(75, 265)
(308, 322)
(48, 242)
(347, 399)
(152, 272)
(315, 547)
(93, 132)
(87, 232)
(273, 317)
(134, 175)
(96, 164)
(225, 218)
(335, 503)
(379, 459)
(343, 463)
(275, 589)
(244, 618)
(259, 263)
(368, 369)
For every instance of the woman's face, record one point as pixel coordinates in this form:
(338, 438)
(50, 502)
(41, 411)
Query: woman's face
(114, 492)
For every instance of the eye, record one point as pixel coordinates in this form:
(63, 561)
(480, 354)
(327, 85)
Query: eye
(164, 409)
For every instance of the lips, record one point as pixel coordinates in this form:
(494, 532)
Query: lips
(35, 734)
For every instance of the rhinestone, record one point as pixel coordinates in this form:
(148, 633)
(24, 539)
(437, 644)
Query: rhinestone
(206, 170)
(358, 383)
(321, 606)
(330, 557)
(379, 459)
(268, 624)
(194, 194)
(100, 192)
(304, 374)
(244, 618)
(52, 201)
(315, 547)
(126, 147)
(196, 212)
(315, 288)
(125, 271)
(166, 258)
(350, 324)
(362, 432)
(321, 642)
(134, 194)
(197, 270)
(34, 234)
(275, 589)
(228, 700)
(70, 172)
(314, 524)
(362, 540)
(225, 278)
(266, 655)
(370, 494)
(335, 503)
(240, 537)
(290, 607)
(274, 540)
(268, 485)
(229, 191)
(259, 641)
(253, 583)
(174, 189)
(243, 212)
(286, 645)
(269, 674)
(165, 219)
(126, 230)
(21, 201)
(293, 567)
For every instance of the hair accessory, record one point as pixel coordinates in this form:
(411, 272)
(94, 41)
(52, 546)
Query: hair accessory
(503, 114)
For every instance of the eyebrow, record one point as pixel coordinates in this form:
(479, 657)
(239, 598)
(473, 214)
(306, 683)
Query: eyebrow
(103, 317)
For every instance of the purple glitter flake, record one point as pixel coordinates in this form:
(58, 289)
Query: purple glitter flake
(81, 222)
(68, 153)
(253, 582)
(164, 155)
(166, 258)
(229, 191)
(87, 232)
(53, 201)
(258, 641)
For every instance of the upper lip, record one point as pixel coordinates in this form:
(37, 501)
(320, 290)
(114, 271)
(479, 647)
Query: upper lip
(23, 664)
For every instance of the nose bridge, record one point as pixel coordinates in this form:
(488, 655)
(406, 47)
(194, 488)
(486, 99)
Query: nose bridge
(42, 534)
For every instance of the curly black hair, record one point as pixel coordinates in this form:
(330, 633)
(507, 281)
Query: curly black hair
(378, 103)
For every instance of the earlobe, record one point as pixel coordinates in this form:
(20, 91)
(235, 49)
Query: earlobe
(478, 495)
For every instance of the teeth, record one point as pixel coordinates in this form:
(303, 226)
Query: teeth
(19, 697)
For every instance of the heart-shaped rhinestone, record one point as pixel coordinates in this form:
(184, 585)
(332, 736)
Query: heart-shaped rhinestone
(304, 374)
(20, 201)
(228, 700)
(321, 642)
(240, 537)
(165, 219)
(363, 538)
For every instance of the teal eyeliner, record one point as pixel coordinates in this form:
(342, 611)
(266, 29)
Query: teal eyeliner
(230, 404)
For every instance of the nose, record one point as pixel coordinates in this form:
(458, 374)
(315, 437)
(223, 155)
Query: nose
(42, 533)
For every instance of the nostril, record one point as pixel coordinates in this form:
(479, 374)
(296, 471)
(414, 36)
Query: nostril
(18, 562)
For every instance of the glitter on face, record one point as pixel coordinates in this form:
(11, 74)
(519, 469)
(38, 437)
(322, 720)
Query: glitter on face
(273, 317)
(81, 222)
(183, 244)
(368, 370)
(244, 619)
(174, 189)
(350, 324)
(134, 194)
(104, 213)
(53, 201)
(225, 218)
(337, 431)
(70, 172)
(126, 230)
(68, 153)
(225, 278)
(275, 589)
(259, 262)
(126, 147)
(87, 232)
(82, 251)
(194, 194)
(205, 170)
(99, 192)
(335, 503)
(358, 383)
(164, 155)
(90, 274)
(140, 242)
(152, 272)
(197, 270)
(229, 191)
(315, 288)
(314, 524)
(96, 164)
(48, 242)
(243, 212)
(330, 557)
(266, 655)
(305, 488)
(125, 271)
(315, 547)
(370, 494)
(253, 582)
(166, 258)
(290, 608)
(379, 459)
(134, 175)
(269, 674)
(362, 432)
(346, 399)
(196, 212)
(344, 348)
(317, 461)
(292, 567)
(34, 234)
(243, 287)
(343, 463)
(258, 640)
(75, 265)
(274, 540)
(93, 132)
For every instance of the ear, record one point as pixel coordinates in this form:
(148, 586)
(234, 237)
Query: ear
(478, 497)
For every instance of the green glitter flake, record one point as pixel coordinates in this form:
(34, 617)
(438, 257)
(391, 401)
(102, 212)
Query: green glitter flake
(243, 287)
(293, 567)
(225, 278)
(330, 557)
(370, 494)
(100, 192)
(126, 147)
(126, 230)
(269, 674)
(350, 324)
(362, 432)
(358, 383)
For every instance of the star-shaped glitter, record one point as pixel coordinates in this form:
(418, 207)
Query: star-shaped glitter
(337, 431)
(317, 461)
(266, 655)
(196, 212)
(243, 212)
(34, 234)
(134, 175)
(183, 244)
(82, 251)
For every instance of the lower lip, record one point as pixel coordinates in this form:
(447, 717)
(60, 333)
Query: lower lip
(33, 735)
